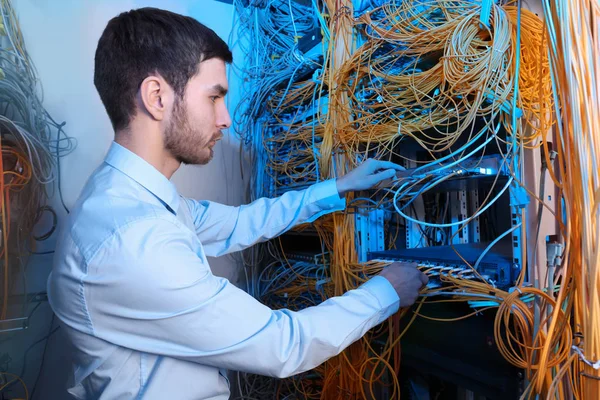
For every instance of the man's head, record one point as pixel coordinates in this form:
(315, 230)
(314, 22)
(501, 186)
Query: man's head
(168, 69)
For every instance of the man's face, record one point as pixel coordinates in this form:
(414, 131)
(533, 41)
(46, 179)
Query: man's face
(197, 120)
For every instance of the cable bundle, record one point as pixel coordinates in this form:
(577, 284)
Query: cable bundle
(273, 57)
(574, 34)
(31, 143)
(277, 87)
(428, 69)
(433, 73)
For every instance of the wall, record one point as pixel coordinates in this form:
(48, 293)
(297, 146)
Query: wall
(61, 38)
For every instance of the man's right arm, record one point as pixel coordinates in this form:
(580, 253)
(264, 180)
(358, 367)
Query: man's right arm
(162, 298)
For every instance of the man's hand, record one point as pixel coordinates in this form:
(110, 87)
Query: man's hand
(367, 175)
(406, 279)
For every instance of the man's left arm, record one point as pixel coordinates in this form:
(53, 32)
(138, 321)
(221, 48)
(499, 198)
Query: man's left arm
(225, 229)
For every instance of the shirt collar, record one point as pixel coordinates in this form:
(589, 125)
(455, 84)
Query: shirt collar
(145, 174)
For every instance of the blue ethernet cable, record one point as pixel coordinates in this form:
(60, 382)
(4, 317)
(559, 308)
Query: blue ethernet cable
(477, 214)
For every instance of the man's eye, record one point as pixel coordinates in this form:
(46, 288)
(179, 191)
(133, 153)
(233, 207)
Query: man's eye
(213, 98)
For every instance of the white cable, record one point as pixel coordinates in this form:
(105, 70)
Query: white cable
(595, 365)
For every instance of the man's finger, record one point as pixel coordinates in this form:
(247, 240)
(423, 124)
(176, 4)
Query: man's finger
(373, 165)
(424, 278)
(383, 175)
(389, 165)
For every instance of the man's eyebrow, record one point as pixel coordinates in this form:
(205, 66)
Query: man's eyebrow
(219, 89)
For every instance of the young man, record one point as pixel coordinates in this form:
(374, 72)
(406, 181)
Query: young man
(131, 282)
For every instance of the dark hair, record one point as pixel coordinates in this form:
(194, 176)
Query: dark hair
(145, 41)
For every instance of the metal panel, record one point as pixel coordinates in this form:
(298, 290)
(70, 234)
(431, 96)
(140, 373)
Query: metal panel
(369, 232)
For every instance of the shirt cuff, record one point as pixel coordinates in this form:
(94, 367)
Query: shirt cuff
(325, 194)
(385, 294)
(326, 197)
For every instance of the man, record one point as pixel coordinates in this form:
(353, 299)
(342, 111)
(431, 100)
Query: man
(131, 282)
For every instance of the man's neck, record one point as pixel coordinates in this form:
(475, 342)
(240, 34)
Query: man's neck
(149, 146)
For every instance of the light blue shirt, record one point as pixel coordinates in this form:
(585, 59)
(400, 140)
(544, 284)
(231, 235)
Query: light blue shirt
(146, 316)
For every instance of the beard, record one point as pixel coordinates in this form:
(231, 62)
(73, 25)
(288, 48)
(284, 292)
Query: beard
(186, 145)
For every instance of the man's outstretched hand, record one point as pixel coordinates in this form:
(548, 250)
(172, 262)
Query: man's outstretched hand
(367, 175)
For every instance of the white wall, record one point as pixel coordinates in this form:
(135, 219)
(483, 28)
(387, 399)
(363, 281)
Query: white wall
(61, 38)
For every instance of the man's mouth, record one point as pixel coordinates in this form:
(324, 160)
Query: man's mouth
(215, 140)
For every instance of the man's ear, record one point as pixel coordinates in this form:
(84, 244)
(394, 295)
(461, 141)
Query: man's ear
(156, 97)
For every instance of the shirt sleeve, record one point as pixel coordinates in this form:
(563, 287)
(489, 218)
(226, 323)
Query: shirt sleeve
(224, 229)
(149, 290)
